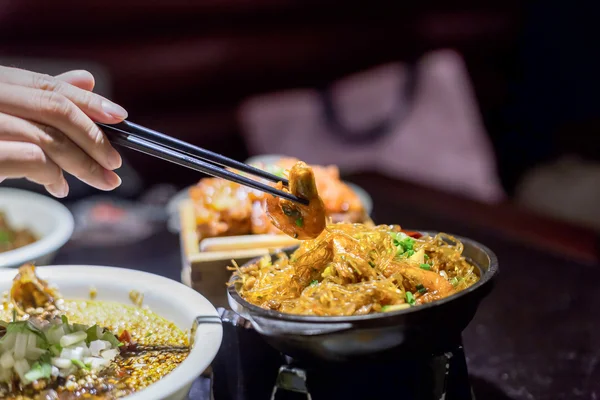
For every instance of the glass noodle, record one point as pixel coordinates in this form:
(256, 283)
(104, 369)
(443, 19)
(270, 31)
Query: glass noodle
(355, 269)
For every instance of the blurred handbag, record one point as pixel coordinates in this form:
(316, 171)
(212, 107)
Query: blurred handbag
(417, 123)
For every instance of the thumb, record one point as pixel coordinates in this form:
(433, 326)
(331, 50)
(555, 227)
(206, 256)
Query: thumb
(79, 78)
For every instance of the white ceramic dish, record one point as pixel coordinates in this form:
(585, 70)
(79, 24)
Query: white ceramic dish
(47, 218)
(166, 297)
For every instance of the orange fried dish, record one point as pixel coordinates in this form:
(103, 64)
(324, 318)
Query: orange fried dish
(225, 208)
(356, 269)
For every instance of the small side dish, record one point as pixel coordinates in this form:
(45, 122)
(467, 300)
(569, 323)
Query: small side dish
(63, 349)
(223, 208)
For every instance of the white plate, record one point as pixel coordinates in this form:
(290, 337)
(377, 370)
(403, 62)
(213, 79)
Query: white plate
(47, 218)
(114, 284)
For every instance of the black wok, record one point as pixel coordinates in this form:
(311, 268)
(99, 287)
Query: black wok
(431, 327)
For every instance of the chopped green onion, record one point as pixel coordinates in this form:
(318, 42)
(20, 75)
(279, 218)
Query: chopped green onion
(79, 364)
(313, 283)
(39, 371)
(454, 281)
(426, 256)
(300, 222)
(421, 289)
(426, 267)
(72, 338)
(372, 264)
(404, 244)
(410, 299)
(56, 349)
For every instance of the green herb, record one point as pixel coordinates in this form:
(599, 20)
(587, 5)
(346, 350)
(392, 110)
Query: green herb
(5, 236)
(79, 364)
(425, 267)
(410, 299)
(56, 349)
(426, 256)
(313, 283)
(112, 339)
(372, 264)
(454, 281)
(300, 222)
(26, 327)
(92, 333)
(39, 371)
(80, 327)
(404, 244)
(385, 308)
(421, 289)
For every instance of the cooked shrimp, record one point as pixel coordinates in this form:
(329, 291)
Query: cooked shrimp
(435, 285)
(297, 220)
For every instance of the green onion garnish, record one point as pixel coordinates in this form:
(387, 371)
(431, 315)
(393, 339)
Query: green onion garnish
(410, 299)
(79, 364)
(421, 289)
(313, 283)
(300, 222)
(454, 281)
(426, 267)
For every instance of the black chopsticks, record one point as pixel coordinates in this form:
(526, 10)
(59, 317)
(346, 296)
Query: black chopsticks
(133, 136)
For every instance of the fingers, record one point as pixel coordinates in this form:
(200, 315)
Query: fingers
(60, 149)
(96, 107)
(53, 109)
(26, 160)
(79, 78)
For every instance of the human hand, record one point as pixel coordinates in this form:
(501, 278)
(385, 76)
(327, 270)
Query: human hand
(47, 127)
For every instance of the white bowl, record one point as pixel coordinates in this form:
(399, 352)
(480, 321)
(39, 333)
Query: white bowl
(167, 298)
(47, 218)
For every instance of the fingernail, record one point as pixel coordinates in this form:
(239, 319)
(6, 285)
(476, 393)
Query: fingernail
(64, 189)
(58, 190)
(114, 110)
(113, 180)
(114, 159)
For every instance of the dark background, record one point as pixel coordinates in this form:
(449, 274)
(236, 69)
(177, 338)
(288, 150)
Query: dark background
(183, 67)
